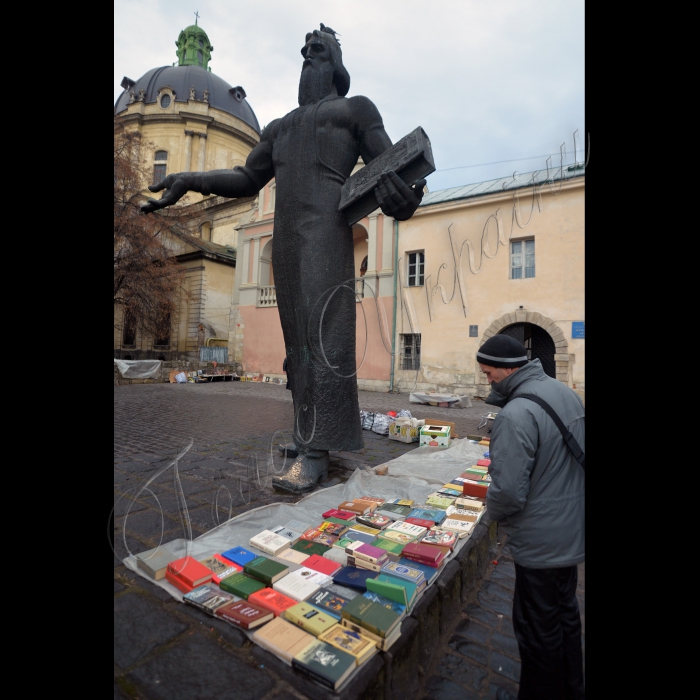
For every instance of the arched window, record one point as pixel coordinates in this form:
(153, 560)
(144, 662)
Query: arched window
(160, 166)
(200, 58)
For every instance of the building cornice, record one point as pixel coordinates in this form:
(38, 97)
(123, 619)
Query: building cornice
(203, 254)
(503, 196)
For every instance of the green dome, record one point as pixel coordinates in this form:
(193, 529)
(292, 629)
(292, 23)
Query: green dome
(193, 47)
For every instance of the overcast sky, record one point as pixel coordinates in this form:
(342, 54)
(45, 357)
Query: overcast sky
(488, 81)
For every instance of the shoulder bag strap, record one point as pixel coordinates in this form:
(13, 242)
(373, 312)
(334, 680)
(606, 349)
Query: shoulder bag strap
(569, 439)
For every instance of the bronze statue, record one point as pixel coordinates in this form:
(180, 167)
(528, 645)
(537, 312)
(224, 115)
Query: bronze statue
(311, 152)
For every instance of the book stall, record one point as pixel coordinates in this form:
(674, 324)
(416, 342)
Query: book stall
(325, 584)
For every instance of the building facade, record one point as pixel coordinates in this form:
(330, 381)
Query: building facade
(186, 118)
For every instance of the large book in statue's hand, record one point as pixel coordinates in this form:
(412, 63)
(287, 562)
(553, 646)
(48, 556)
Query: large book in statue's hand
(411, 158)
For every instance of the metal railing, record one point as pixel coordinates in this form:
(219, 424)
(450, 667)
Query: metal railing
(267, 296)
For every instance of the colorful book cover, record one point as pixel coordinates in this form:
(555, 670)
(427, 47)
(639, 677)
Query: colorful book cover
(209, 597)
(331, 602)
(427, 524)
(442, 538)
(239, 555)
(441, 502)
(429, 572)
(375, 520)
(333, 528)
(220, 567)
(347, 640)
(404, 571)
(271, 600)
(187, 573)
(397, 589)
(402, 538)
(362, 536)
(410, 529)
(340, 514)
(398, 608)
(398, 509)
(326, 664)
(314, 534)
(310, 618)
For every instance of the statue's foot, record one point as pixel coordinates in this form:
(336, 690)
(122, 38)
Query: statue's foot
(289, 450)
(305, 473)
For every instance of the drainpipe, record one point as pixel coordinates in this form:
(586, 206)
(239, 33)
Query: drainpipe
(393, 325)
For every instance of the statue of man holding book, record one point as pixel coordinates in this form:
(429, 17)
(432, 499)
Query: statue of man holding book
(311, 152)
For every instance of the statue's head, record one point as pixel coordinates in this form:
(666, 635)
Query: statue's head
(323, 68)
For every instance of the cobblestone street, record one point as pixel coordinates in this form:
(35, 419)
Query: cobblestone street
(164, 649)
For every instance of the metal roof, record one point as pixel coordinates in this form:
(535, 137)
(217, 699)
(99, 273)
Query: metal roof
(502, 184)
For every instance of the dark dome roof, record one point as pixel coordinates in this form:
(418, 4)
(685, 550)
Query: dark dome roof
(179, 78)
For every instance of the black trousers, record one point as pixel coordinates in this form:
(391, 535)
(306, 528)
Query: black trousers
(547, 625)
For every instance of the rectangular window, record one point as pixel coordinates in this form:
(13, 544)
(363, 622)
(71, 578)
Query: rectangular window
(162, 338)
(159, 172)
(416, 269)
(129, 330)
(522, 259)
(410, 351)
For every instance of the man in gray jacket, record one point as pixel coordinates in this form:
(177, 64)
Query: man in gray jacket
(537, 495)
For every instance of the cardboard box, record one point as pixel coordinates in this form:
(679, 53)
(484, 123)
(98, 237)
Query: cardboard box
(442, 421)
(403, 431)
(435, 435)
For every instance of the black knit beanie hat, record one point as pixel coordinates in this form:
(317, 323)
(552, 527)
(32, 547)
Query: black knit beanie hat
(502, 351)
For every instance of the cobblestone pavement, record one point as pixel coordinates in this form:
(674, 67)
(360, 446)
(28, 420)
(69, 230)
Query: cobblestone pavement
(164, 649)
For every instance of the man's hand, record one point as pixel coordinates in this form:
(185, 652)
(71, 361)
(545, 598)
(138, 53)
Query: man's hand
(176, 185)
(396, 198)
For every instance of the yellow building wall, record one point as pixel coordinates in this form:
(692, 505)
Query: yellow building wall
(448, 353)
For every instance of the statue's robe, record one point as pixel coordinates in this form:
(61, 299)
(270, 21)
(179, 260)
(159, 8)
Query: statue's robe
(311, 152)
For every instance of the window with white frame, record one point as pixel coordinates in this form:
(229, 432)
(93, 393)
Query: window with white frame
(522, 259)
(410, 350)
(415, 272)
(160, 166)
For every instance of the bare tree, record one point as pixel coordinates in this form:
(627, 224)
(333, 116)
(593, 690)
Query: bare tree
(147, 278)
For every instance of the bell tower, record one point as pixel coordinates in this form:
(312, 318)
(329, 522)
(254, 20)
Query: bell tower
(193, 47)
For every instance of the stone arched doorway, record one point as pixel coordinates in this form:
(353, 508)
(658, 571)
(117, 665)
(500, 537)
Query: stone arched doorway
(523, 318)
(537, 342)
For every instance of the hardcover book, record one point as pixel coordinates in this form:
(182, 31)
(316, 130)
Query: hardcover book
(469, 504)
(395, 510)
(302, 583)
(352, 577)
(294, 556)
(401, 570)
(366, 551)
(396, 589)
(442, 538)
(363, 564)
(372, 499)
(427, 524)
(187, 573)
(320, 563)
(309, 618)
(244, 614)
(340, 514)
(393, 549)
(359, 645)
(429, 554)
(382, 643)
(308, 547)
(430, 573)
(331, 602)
(324, 663)
(471, 488)
(373, 504)
(357, 527)
(283, 531)
(265, 570)
(220, 567)
(314, 534)
(268, 542)
(241, 584)
(333, 528)
(155, 561)
(282, 638)
(434, 514)
(356, 508)
(402, 538)
(398, 608)
(209, 597)
(362, 536)
(375, 520)
(372, 616)
(271, 600)
(239, 555)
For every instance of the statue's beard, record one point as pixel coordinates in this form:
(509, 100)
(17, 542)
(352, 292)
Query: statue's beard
(315, 83)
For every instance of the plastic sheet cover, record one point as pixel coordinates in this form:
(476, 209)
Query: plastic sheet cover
(452, 399)
(415, 475)
(138, 369)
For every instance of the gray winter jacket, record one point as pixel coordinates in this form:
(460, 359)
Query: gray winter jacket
(537, 487)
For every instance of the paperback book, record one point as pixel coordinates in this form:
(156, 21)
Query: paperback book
(283, 531)
(220, 567)
(271, 600)
(310, 618)
(239, 555)
(269, 542)
(244, 614)
(375, 521)
(282, 638)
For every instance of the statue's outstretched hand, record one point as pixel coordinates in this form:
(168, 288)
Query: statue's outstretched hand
(396, 198)
(176, 185)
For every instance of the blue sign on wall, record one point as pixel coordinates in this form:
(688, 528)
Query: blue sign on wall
(578, 329)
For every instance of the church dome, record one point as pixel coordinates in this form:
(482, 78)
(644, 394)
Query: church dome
(180, 78)
(193, 54)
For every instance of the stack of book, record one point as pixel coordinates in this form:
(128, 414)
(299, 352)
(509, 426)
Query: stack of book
(365, 556)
